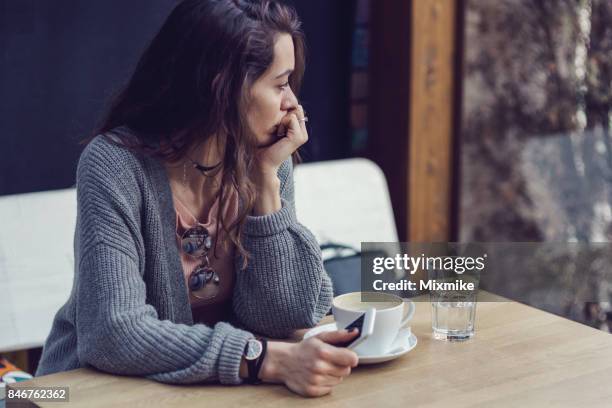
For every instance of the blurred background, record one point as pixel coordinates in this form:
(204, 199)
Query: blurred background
(491, 120)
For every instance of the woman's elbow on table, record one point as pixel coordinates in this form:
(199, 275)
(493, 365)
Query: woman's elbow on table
(103, 350)
(127, 347)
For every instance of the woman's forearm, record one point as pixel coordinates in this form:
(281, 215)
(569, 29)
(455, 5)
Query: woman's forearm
(272, 367)
(270, 371)
(268, 194)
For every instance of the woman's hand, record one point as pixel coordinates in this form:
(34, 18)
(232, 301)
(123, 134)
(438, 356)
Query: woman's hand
(293, 125)
(312, 367)
(270, 158)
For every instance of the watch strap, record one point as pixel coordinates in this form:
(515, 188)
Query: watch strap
(254, 366)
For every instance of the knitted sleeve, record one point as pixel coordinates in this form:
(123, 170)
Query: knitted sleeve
(284, 286)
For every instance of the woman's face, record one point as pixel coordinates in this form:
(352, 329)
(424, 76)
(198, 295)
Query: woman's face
(271, 97)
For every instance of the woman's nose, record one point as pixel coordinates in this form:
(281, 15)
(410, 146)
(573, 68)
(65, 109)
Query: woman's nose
(290, 101)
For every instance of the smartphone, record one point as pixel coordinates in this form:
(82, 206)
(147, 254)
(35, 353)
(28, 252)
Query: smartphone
(365, 324)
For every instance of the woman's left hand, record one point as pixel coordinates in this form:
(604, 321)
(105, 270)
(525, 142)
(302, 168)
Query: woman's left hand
(271, 157)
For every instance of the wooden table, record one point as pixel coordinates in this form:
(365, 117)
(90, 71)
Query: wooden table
(520, 357)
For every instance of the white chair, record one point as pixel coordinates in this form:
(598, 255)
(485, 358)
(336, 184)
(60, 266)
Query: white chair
(344, 201)
(36, 264)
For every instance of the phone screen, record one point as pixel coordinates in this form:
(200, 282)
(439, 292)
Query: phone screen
(357, 323)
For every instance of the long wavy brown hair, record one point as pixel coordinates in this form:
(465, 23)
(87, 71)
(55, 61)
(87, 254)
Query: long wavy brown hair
(192, 82)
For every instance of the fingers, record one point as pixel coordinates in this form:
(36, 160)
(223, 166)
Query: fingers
(309, 389)
(301, 116)
(327, 381)
(337, 355)
(295, 126)
(319, 365)
(329, 369)
(316, 391)
(337, 336)
(320, 384)
(340, 356)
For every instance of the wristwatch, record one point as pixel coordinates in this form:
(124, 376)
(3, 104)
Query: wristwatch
(254, 354)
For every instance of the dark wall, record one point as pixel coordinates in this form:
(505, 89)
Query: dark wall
(328, 26)
(62, 59)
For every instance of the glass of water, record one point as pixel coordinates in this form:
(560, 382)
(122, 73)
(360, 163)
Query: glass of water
(453, 310)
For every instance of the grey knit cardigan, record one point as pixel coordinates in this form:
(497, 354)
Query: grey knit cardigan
(128, 312)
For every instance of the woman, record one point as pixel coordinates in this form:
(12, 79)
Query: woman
(186, 223)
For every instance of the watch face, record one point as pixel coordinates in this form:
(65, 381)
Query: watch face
(253, 350)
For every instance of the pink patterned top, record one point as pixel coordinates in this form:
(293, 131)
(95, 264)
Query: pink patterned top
(217, 302)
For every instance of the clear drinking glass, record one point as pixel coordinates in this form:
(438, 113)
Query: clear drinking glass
(453, 311)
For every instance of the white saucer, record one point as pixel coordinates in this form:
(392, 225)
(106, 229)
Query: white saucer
(403, 343)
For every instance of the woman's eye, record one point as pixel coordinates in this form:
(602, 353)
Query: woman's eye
(284, 86)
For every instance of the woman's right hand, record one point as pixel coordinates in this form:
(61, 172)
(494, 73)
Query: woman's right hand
(312, 367)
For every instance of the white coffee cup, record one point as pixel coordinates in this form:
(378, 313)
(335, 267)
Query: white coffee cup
(389, 319)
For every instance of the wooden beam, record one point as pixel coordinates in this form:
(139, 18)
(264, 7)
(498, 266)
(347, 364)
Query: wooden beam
(432, 86)
(389, 84)
(413, 77)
